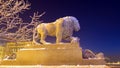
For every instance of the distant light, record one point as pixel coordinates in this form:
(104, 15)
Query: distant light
(28, 44)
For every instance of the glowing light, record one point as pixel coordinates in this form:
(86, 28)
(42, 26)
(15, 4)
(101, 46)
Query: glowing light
(34, 49)
(28, 44)
(116, 63)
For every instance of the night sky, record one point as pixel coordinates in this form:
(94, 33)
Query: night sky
(99, 21)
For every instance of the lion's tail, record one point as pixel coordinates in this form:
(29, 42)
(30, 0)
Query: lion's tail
(35, 35)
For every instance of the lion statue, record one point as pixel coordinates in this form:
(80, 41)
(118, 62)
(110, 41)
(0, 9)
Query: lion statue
(62, 28)
(88, 54)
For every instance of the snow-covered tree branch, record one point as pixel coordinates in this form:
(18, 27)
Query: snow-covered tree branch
(11, 25)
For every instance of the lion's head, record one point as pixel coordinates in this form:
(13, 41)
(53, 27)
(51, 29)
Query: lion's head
(72, 20)
(70, 24)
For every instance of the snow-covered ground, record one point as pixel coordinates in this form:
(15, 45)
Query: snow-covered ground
(62, 66)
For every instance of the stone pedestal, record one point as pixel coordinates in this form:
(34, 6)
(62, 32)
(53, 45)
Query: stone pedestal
(52, 54)
(49, 54)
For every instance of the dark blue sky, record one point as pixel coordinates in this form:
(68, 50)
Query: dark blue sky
(99, 20)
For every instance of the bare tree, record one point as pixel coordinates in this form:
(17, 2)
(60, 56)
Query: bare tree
(12, 7)
(25, 32)
(11, 25)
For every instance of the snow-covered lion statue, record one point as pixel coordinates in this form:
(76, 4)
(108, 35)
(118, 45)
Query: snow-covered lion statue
(62, 28)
